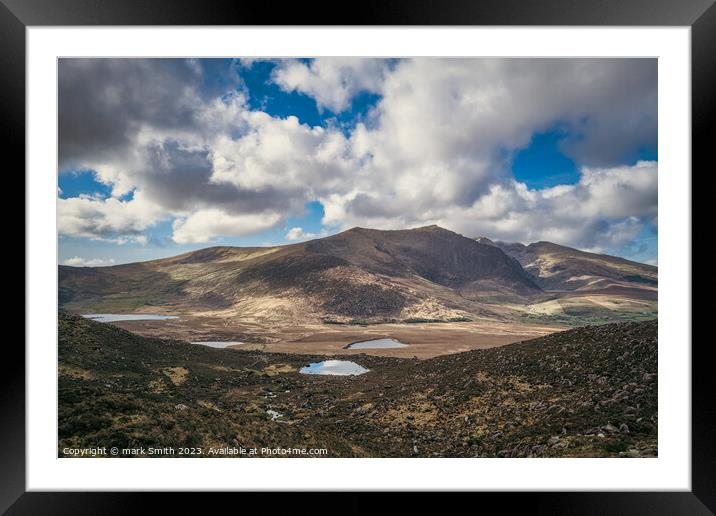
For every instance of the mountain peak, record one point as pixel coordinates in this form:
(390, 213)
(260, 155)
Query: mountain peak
(484, 240)
(433, 228)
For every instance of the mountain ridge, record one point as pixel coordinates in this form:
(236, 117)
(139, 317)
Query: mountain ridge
(557, 266)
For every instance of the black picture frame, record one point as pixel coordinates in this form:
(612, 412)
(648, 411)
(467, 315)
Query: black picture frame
(700, 15)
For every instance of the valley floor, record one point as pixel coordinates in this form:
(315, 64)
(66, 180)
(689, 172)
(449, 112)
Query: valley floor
(425, 340)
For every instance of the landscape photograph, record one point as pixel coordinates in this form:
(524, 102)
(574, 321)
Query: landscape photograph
(343, 257)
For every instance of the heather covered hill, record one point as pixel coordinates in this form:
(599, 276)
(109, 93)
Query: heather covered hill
(588, 392)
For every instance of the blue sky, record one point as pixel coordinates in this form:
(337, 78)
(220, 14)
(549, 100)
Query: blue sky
(116, 196)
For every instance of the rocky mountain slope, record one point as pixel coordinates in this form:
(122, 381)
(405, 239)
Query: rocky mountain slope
(557, 267)
(588, 392)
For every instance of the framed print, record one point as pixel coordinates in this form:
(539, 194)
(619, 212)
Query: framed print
(419, 250)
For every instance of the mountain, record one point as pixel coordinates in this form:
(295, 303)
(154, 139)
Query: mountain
(432, 253)
(584, 288)
(588, 392)
(360, 274)
(557, 267)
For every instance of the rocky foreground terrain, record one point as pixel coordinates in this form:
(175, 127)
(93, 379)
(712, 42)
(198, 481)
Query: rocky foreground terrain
(587, 392)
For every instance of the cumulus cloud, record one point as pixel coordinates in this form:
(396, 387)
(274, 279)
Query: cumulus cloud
(203, 225)
(77, 261)
(150, 128)
(332, 81)
(294, 233)
(606, 208)
(446, 128)
(298, 234)
(107, 219)
(282, 153)
(438, 149)
(104, 103)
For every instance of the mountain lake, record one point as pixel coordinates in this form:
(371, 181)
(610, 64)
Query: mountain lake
(128, 317)
(377, 344)
(217, 344)
(334, 367)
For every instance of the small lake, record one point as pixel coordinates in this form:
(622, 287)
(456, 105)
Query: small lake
(334, 367)
(217, 344)
(128, 317)
(274, 415)
(377, 344)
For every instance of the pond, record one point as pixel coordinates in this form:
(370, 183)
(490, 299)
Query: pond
(218, 344)
(377, 344)
(274, 415)
(334, 367)
(128, 317)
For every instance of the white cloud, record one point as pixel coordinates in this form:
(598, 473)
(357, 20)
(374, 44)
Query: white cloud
(606, 208)
(77, 261)
(445, 128)
(107, 219)
(203, 225)
(294, 233)
(333, 81)
(282, 154)
(298, 234)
